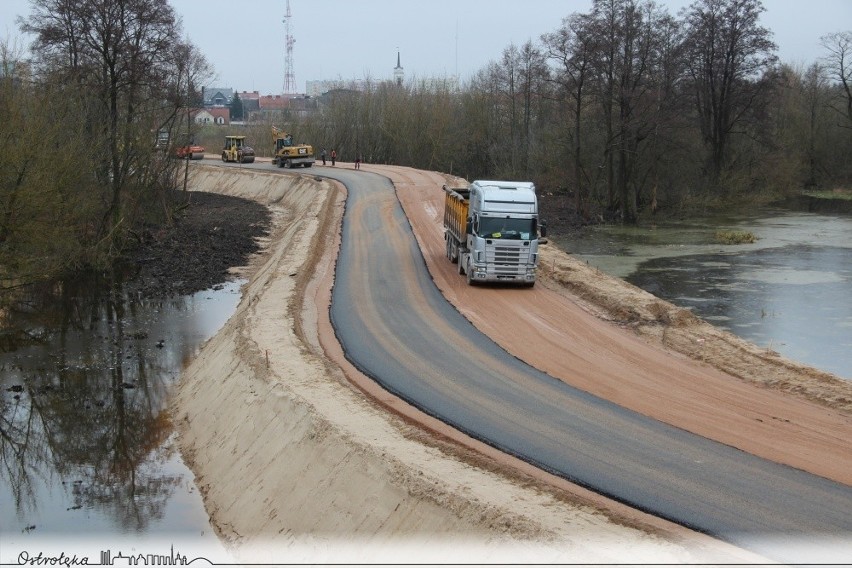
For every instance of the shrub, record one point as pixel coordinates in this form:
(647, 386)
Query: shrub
(735, 237)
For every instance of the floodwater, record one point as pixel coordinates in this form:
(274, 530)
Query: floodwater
(89, 461)
(791, 291)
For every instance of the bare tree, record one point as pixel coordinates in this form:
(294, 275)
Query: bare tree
(494, 148)
(814, 100)
(664, 107)
(606, 26)
(571, 48)
(508, 83)
(474, 127)
(121, 54)
(532, 74)
(839, 64)
(728, 51)
(191, 71)
(626, 60)
(47, 194)
(634, 66)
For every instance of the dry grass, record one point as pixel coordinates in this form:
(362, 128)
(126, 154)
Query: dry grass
(836, 193)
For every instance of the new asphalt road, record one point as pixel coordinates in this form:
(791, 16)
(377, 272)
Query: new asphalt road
(396, 327)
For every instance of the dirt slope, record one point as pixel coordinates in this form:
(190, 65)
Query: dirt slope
(295, 463)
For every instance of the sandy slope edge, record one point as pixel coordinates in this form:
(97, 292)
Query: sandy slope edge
(678, 329)
(295, 464)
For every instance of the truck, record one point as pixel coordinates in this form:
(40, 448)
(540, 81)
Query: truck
(492, 231)
(236, 150)
(287, 154)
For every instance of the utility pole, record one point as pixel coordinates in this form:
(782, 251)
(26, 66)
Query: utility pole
(289, 40)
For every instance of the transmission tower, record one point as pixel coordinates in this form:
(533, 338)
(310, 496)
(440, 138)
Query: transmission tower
(289, 40)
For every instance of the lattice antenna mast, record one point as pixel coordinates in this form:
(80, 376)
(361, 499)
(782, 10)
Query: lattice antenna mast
(289, 40)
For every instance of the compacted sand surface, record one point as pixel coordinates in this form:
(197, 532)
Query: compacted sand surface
(302, 459)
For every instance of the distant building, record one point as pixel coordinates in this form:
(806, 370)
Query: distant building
(316, 89)
(272, 102)
(398, 72)
(250, 100)
(302, 106)
(216, 96)
(15, 70)
(249, 96)
(336, 96)
(275, 108)
(220, 116)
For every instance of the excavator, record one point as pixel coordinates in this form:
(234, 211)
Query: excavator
(287, 154)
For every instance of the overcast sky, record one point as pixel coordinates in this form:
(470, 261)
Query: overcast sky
(351, 39)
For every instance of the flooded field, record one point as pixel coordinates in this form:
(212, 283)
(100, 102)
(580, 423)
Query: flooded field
(791, 290)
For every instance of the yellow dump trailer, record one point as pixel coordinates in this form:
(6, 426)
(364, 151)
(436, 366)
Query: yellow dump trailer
(456, 207)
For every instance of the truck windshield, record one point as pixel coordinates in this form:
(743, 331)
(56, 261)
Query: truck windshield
(497, 228)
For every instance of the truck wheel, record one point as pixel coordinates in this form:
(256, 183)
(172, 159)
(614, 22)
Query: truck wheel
(309, 164)
(224, 157)
(460, 267)
(468, 271)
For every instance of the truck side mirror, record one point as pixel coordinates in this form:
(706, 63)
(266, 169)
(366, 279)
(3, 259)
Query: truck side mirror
(543, 229)
(468, 226)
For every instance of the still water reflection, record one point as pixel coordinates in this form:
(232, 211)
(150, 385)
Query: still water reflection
(791, 291)
(86, 441)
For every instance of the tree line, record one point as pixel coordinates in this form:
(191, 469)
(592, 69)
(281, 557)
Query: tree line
(81, 171)
(627, 108)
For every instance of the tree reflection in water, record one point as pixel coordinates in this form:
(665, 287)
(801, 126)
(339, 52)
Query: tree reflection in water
(84, 403)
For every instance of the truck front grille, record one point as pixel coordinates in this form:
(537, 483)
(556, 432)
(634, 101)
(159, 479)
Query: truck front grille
(507, 255)
(507, 259)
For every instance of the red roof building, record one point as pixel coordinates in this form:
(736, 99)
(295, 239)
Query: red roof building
(273, 102)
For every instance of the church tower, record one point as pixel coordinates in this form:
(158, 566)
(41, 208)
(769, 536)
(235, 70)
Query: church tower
(398, 73)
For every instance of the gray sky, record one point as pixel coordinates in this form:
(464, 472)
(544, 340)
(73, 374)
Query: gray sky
(349, 39)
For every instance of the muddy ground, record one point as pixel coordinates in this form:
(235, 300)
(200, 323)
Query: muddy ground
(211, 234)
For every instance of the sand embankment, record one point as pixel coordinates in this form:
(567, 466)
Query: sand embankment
(298, 465)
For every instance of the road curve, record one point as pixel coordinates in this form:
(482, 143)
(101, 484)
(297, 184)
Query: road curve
(396, 327)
